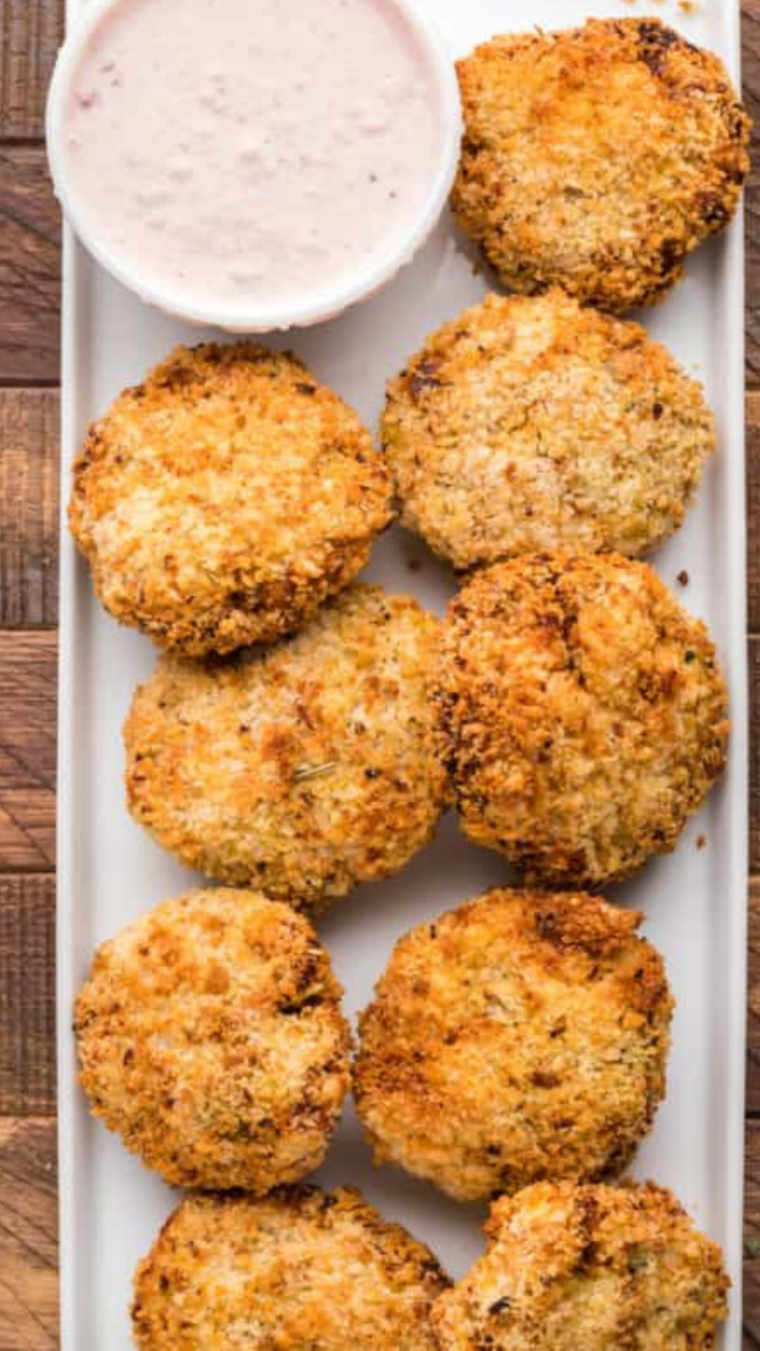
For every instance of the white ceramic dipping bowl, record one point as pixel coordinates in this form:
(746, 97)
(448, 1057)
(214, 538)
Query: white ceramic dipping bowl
(329, 299)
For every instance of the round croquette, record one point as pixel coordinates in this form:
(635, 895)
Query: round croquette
(300, 1269)
(597, 158)
(592, 1267)
(584, 712)
(211, 1039)
(521, 1037)
(304, 769)
(225, 498)
(531, 422)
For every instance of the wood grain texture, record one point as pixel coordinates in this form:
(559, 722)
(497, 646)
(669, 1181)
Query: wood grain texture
(30, 268)
(29, 303)
(28, 507)
(29, 219)
(753, 653)
(27, 996)
(28, 1242)
(30, 33)
(29, 451)
(751, 77)
(752, 1237)
(753, 512)
(753, 1006)
(27, 751)
(751, 72)
(28, 1285)
(29, 228)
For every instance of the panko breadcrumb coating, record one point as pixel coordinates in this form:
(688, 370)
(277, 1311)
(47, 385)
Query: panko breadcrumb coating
(531, 422)
(211, 1039)
(305, 769)
(590, 1268)
(225, 498)
(597, 158)
(297, 1270)
(584, 712)
(521, 1037)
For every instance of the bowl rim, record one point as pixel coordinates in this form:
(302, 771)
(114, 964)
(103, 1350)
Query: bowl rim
(327, 303)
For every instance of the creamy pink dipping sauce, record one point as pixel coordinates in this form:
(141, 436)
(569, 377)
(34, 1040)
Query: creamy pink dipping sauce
(251, 151)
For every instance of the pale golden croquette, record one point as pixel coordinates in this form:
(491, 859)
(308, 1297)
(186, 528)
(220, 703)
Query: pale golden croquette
(304, 769)
(584, 713)
(597, 158)
(531, 422)
(211, 1038)
(225, 498)
(298, 1269)
(592, 1267)
(519, 1037)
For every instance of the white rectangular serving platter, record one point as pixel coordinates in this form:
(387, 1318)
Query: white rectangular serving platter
(109, 871)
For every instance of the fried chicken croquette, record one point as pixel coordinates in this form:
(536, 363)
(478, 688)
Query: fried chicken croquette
(304, 769)
(592, 1267)
(584, 712)
(531, 422)
(298, 1269)
(521, 1037)
(597, 158)
(225, 498)
(211, 1039)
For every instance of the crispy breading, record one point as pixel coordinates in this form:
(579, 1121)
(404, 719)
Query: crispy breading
(304, 769)
(597, 158)
(225, 498)
(298, 1269)
(584, 711)
(522, 1036)
(211, 1038)
(531, 422)
(589, 1268)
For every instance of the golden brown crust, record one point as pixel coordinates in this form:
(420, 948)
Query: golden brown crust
(597, 158)
(225, 498)
(592, 1267)
(305, 769)
(584, 711)
(531, 422)
(211, 1039)
(298, 1269)
(522, 1036)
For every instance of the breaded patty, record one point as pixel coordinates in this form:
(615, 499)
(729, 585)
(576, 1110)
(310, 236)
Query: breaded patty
(531, 422)
(305, 769)
(211, 1039)
(597, 158)
(521, 1037)
(584, 712)
(225, 498)
(590, 1268)
(297, 1270)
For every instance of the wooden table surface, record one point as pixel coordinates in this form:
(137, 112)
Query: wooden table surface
(30, 31)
